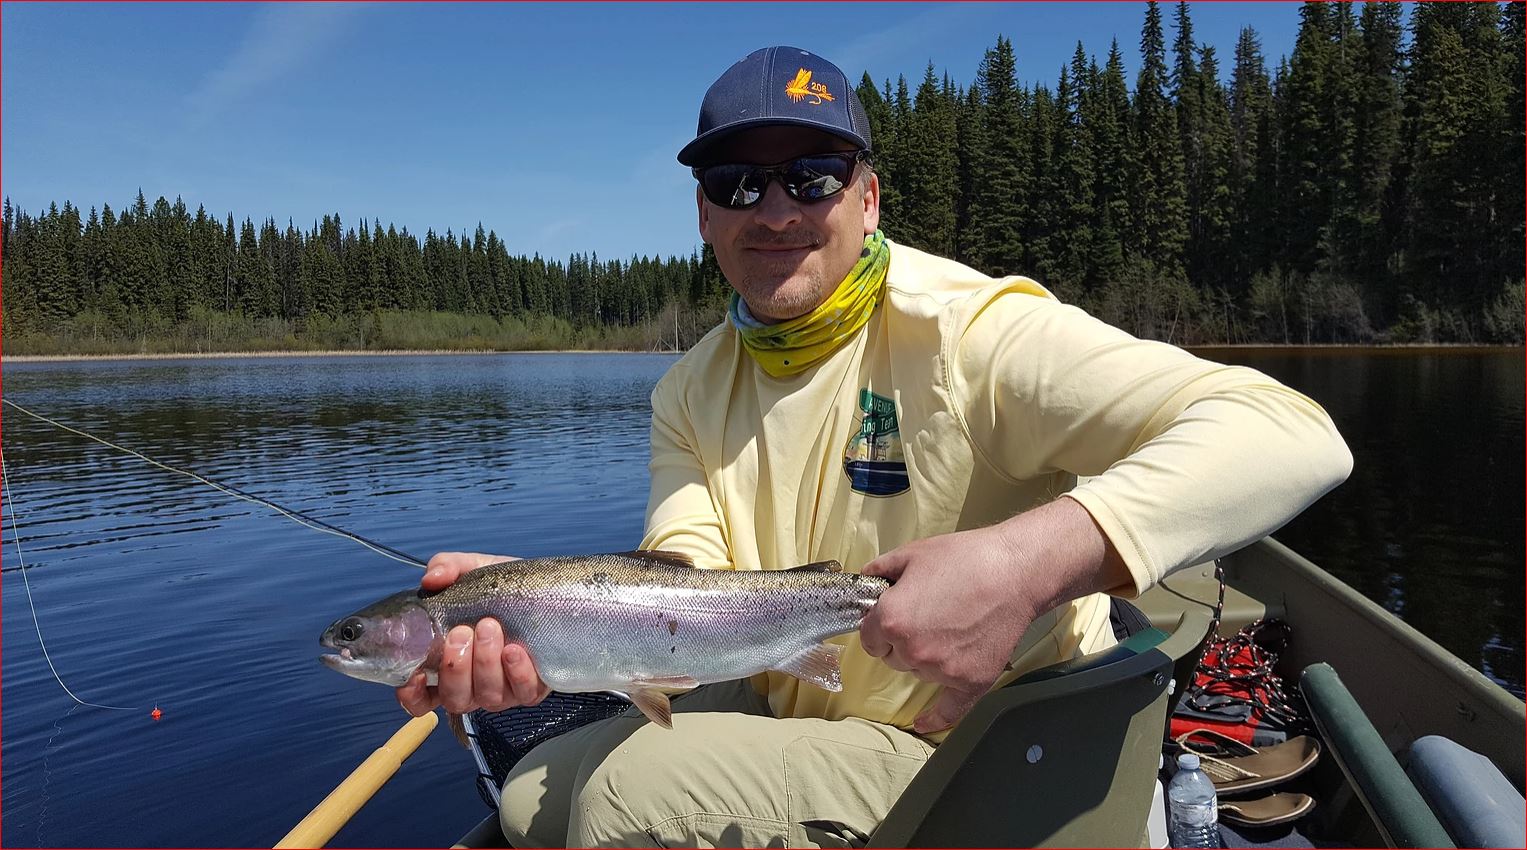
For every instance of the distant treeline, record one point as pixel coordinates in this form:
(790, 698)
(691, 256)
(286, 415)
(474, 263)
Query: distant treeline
(164, 279)
(1369, 189)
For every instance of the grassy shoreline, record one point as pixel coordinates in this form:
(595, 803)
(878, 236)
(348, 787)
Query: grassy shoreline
(241, 355)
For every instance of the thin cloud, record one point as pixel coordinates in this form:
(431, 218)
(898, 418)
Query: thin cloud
(281, 37)
(859, 54)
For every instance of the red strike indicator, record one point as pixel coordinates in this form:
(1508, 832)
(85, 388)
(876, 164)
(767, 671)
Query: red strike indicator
(156, 713)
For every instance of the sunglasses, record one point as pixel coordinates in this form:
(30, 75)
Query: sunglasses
(808, 179)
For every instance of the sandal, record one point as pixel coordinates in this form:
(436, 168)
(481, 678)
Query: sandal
(1240, 767)
(1277, 808)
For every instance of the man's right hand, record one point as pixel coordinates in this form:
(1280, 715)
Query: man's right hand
(478, 670)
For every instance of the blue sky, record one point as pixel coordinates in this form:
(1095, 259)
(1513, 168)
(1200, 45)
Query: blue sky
(554, 124)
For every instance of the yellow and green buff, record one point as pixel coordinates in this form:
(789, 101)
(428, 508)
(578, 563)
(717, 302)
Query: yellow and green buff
(793, 346)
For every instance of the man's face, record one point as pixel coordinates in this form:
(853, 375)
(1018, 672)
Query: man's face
(783, 256)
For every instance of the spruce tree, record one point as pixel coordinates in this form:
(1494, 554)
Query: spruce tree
(1111, 130)
(930, 184)
(1160, 209)
(1000, 203)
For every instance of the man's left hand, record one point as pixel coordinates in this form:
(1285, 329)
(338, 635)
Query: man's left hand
(961, 601)
(953, 617)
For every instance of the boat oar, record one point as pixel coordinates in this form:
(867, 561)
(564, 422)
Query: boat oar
(345, 800)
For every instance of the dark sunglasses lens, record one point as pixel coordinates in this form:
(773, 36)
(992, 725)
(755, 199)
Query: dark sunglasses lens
(734, 185)
(812, 178)
(809, 178)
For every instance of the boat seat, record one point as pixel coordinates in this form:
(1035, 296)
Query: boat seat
(1394, 805)
(1064, 756)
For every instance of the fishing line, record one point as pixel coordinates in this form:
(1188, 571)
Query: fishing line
(294, 515)
(16, 536)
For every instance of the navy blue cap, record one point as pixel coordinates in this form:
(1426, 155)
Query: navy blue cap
(778, 86)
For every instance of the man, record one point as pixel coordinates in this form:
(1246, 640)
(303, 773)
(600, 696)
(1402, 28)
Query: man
(909, 417)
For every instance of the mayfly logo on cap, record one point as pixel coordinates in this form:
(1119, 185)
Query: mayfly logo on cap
(802, 87)
(873, 459)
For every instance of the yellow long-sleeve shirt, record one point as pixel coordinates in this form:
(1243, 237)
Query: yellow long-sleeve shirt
(964, 401)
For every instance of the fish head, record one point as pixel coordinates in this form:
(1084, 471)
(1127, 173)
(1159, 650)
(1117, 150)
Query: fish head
(384, 642)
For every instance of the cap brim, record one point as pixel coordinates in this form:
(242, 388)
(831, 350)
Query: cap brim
(697, 151)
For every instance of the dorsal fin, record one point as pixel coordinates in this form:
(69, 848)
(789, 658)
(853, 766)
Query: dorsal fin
(663, 556)
(818, 567)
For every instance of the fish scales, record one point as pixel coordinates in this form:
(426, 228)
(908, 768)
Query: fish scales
(629, 622)
(589, 622)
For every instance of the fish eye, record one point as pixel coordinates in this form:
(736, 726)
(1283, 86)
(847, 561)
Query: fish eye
(351, 631)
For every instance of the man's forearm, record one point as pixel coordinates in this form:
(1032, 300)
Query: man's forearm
(1062, 554)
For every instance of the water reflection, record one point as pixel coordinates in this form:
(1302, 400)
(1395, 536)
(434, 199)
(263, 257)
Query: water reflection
(152, 588)
(1430, 523)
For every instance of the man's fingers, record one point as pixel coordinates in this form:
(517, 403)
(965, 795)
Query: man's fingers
(415, 697)
(488, 687)
(872, 636)
(456, 671)
(443, 569)
(888, 566)
(952, 705)
(523, 680)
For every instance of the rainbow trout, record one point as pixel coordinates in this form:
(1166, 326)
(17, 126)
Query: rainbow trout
(635, 623)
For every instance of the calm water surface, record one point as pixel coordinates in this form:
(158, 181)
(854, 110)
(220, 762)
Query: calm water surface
(153, 589)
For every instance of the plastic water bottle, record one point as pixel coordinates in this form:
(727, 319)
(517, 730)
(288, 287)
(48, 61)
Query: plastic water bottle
(1192, 820)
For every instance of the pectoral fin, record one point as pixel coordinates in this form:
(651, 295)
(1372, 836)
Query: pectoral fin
(817, 665)
(653, 703)
(646, 695)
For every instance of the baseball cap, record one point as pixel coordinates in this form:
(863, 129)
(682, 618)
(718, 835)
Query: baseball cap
(778, 86)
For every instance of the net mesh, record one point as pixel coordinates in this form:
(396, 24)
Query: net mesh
(502, 738)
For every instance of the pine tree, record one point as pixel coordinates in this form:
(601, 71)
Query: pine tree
(1112, 133)
(1210, 199)
(970, 154)
(1376, 148)
(931, 171)
(999, 207)
(1456, 100)
(883, 142)
(255, 278)
(1076, 249)
(1160, 210)
(1513, 143)
(1253, 163)
(1041, 236)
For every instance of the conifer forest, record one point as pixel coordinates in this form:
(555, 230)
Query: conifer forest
(1367, 188)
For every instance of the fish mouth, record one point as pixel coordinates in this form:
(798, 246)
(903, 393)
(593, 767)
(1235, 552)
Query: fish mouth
(367, 670)
(338, 660)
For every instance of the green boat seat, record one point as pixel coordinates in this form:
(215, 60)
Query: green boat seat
(1065, 756)
(1394, 805)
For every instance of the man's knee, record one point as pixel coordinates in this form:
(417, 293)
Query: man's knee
(534, 803)
(648, 787)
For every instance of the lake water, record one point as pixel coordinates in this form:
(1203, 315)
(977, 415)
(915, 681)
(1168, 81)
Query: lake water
(155, 590)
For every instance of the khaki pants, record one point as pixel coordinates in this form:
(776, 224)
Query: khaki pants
(727, 775)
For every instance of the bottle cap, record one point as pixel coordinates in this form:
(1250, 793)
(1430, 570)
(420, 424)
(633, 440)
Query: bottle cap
(1188, 761)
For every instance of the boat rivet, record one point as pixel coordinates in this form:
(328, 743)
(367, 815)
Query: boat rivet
(1036, 753)
(1158, 679)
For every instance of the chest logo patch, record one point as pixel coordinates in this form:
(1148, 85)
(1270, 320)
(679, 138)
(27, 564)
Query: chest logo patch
(873, 459)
